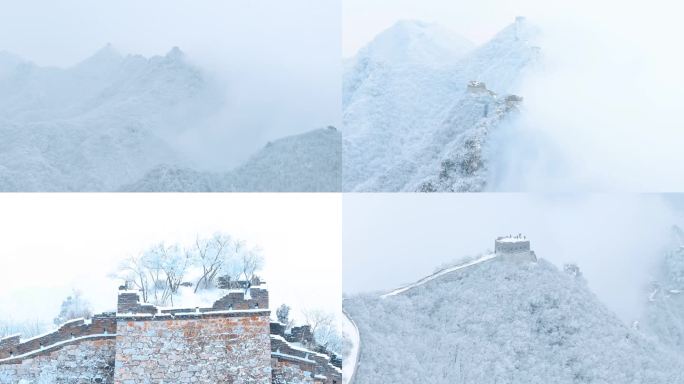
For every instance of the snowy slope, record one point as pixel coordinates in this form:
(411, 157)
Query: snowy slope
(98, 124)
(351, 331)
(502, 322)
(664, 313)
(309, 162)
(407, 114)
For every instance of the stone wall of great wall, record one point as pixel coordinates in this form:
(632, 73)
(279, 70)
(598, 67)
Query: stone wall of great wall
(78, 352)
(231, 342)
(227, 343)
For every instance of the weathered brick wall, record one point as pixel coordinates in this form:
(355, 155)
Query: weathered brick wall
(286, 371)
(198, 348)
(86, 360)
(102, 324)
(77, 352)
(292, 362)
(258, 298)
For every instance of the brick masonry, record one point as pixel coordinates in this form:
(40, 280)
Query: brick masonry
(87, 361)
(202, 350)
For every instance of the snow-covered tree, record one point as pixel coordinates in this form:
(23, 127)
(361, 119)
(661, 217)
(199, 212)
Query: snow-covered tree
(160, 271)
(283, 314)
(24, 328)
(166, 266)
(213, 255)
(73, 307)
(252, 261)
(324, 329)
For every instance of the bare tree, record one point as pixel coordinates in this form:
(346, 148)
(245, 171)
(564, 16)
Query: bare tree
(159, 271)
(325, 330)
(26, 329)
(133, 271)
(166, 267)
(212, 255)
(252, 261)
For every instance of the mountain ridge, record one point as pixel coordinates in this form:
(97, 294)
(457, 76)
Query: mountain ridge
(394, 113)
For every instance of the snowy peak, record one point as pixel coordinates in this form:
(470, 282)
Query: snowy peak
(521, 30)
(411, 41)
(175, 54)
(105, 54)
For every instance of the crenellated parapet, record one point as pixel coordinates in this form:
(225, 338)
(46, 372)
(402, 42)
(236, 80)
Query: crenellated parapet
(236, 302)
(13, 350)
(516, 248)
(292, 362)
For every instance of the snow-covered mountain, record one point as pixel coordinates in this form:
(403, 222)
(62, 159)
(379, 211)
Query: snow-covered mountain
(99, 124)
(114, 122)
(308, 162)
(664, 313)
(501, 321)
(410, 121)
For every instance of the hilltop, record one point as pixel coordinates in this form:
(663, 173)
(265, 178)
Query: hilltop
(502, 319)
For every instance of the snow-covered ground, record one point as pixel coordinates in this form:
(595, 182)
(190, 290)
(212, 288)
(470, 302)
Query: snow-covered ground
(350, 330)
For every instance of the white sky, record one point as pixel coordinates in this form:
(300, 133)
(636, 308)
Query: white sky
(52, 243)
(475, 20)
(393, 239)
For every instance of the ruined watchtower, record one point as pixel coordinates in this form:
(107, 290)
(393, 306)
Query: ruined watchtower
(516, 248)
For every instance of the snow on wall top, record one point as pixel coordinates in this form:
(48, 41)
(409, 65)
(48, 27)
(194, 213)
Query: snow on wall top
(247, 301)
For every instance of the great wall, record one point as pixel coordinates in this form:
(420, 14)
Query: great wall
(234, 341)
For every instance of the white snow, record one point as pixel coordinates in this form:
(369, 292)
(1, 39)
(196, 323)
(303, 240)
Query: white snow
(438, 274)
(72, 340)
(350, 330)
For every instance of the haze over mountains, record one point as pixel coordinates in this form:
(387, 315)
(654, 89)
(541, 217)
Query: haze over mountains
(114, 122)
(409, 121)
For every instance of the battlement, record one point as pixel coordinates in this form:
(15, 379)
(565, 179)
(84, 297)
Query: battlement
(514, 248)
(15, 350)
(236, 303)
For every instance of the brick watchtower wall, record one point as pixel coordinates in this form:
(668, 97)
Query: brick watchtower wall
(78, 352)
(221, 344)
